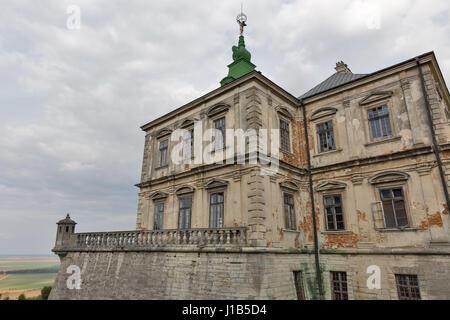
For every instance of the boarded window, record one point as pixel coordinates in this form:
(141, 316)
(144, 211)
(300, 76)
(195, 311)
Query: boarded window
(298, 280)
(394, 208)
(188, 145)
(184, 218)
(339, 289)
(163, 147)
(289, 211)
(159, 214)
(219, 137)
(284, 136)
(216, 210)
(379, 123)
(325, 134)
(334, 213)
(407, 287)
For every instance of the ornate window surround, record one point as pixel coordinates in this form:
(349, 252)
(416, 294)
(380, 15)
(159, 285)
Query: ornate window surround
(374, 100)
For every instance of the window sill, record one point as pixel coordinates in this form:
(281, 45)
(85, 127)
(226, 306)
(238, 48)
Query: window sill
(337, 232)
(387, 140)
(398, 230)
(291, 231)
(287, 153)
(162, 167)
(327, 153)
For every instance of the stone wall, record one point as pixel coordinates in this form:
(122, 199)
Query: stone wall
(214, 275)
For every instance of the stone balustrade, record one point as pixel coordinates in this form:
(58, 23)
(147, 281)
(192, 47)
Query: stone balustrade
(142, 239)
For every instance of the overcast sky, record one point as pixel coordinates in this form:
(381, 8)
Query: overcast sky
(72, 100)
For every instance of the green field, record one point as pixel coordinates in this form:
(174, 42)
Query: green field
(27, 272)
(25, 265)
(27, 281)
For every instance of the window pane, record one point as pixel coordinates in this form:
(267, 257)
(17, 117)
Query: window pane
(402, 219)
(389, 214)
(386, 194)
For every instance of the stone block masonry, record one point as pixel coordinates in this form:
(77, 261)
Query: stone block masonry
(240, 276)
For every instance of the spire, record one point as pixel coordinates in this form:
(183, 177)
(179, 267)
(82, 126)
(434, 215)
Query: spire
(241, 57)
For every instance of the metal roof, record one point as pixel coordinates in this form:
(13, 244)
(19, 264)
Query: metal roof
(334, 81)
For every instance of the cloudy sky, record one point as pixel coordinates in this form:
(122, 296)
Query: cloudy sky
(72, 100)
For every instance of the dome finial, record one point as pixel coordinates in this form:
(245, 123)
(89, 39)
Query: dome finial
(241, 19)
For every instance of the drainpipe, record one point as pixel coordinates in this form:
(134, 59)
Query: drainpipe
(311, 192)
(433, 134)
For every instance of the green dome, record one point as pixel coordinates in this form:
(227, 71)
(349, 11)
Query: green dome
(241, 63)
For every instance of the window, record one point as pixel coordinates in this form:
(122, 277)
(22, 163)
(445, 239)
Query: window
(184, 218)
(163, 146)
(284, 136)
(325, 134)
(379, 123)
(219, 139)
(339, 285)
(407, 287)
(333, 212)
(188, 145)
(216, 210)
(394, 209)
(289, 211)
(159, 213)
(298, 281)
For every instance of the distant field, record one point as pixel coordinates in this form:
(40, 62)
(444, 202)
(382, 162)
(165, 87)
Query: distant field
(27, 281)
(24, 273)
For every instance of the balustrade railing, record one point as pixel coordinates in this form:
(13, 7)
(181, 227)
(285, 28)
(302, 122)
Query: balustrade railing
(159, 238)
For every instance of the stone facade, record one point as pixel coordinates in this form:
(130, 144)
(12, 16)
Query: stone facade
(206, 263)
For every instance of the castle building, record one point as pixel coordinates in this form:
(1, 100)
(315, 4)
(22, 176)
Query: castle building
(347, 199)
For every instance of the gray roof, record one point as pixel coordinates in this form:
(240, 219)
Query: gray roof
(67, 220)
(334, 81)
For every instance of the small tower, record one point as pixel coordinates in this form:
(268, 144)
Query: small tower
(66, 228)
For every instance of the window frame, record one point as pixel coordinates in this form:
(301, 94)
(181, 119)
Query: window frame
(210, 194)
(289, 129)
(365, 116)
(319, 145)
(379, 190)
(408, 287)
(325, 206)
(180, 199)
(343, 294)
(188, 158)
(299, 285)
(292, 216)
(155, 206)
(160, 158)
(380, 123)
(215, 119)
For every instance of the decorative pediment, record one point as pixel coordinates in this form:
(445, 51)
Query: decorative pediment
(216, 183)
(330, 186)
(290, 184)
(376, 96)
(323, 112)
(158, 195)
(285, 112)
(187, 123)
(164, 132)
(185, 189)
(389, 177)
(217, 108)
